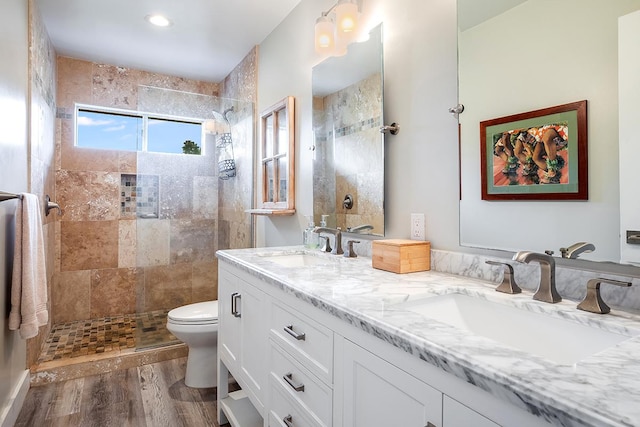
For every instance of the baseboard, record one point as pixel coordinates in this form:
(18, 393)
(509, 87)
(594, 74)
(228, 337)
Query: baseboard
(10, 413)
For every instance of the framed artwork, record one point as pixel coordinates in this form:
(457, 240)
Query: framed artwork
(538, 155)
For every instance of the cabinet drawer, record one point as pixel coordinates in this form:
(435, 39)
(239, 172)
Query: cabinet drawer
(300, 385)
(456, 414)
(283, 412)
(306, 340)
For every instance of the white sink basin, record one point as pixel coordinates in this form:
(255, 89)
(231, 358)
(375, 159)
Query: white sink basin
(553, 338)
(296, 260)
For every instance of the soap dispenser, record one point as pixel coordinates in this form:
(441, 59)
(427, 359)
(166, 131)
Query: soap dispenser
(310, 239)
(323, 220)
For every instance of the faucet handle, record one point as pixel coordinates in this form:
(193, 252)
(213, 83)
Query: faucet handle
(508, 285)
(350, 253)
(593, 302)
(327, 245)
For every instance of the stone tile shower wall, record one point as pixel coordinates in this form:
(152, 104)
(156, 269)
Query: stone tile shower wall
(176, 247)
(234, 195)
(42, 146)
(349, 152)
(109, 261)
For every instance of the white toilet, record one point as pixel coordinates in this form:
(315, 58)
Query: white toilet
(197, 326)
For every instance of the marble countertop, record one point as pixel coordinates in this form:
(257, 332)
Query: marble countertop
(599, 390)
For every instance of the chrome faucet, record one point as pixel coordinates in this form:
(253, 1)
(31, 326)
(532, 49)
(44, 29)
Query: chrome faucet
(547, 288)
(337, 233)
(574, 251)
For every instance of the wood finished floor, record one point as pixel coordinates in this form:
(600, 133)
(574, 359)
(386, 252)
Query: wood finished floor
(146, 396)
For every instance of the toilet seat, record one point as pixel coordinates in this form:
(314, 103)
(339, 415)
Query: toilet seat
(200, 313)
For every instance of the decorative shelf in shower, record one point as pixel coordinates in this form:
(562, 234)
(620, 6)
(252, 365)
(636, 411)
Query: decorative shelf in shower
(139, 196)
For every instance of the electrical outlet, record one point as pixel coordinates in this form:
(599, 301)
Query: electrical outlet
(417, 226)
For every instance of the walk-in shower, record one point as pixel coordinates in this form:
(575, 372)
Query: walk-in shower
(175, 248)
(142, 230)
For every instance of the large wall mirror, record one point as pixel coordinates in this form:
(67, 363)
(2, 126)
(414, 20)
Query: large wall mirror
(348, 167)
(517, 56)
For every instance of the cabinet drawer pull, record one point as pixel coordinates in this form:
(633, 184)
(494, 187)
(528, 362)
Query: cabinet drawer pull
(299, 336)
(234, 304)
(288, 377)
(288, 421)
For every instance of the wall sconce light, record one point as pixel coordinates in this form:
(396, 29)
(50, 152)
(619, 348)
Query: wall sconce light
(333, 35)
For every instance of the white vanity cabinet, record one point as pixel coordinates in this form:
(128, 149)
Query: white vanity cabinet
(305, 367)
(243, 334)
(229, 325)
(455, 414)
(300, 369)
(376, 393)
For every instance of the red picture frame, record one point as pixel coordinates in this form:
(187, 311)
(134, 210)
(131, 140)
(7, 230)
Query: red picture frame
(537, 155)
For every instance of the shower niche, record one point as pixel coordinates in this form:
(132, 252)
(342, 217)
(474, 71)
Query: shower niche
(139, 196)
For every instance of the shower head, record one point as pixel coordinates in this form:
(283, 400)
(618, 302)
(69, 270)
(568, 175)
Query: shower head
(224, 113)
(227, 111)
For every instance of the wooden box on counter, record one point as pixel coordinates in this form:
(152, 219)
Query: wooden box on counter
(401, 256)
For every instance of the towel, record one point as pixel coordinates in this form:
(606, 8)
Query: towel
(29, 281)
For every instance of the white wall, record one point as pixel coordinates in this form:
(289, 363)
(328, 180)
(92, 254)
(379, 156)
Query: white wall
(13, 178)
(629, 93)
(505, 72)
(420, 77)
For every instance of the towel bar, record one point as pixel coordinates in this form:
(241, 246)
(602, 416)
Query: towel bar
(47, 206)
(8, 196)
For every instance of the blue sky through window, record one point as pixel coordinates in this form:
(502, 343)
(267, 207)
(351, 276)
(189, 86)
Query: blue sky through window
(110, 131)
(115, 131)
(168, 136)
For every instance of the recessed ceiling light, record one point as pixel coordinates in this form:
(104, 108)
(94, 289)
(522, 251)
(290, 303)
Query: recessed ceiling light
(158, 20)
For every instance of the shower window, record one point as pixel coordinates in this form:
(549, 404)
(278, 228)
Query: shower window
(115, 131)
(174, 136)
(134, 131)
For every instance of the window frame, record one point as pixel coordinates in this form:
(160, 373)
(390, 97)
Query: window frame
(282, 204)
(145, 116)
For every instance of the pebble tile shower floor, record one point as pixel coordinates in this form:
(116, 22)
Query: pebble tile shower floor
(95, 336)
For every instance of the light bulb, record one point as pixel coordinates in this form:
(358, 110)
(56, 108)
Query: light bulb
(346, 20)
(324, 38)
(158, 20)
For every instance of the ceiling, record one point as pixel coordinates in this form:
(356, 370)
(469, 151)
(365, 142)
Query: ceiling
(474, 12)
(206, 40)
